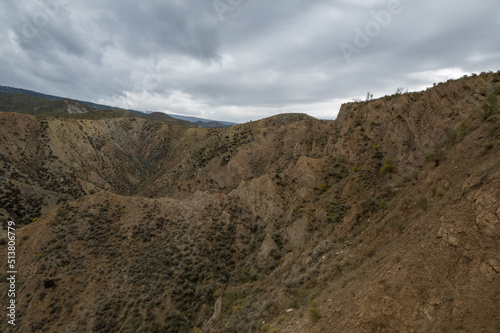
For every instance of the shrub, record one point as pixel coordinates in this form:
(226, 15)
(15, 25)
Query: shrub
(451, 139)
(422, 203)
(355, 169)
(314, 314)
(387, 168)
(336, 212)
(487, 146)
(377, 154)
(49, 283)
(490, 105)
(400, 90)
(382, 204)
(397, 225)
(265, 328)
(434, 155)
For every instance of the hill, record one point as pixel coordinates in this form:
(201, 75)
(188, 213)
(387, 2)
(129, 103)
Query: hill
(205, 122)
(384, 220)
(23, 100)
(162, 117)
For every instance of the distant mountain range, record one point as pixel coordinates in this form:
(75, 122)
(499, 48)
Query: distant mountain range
(197, 120)
(201, 122)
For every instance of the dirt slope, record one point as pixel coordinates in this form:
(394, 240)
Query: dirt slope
(384, 220)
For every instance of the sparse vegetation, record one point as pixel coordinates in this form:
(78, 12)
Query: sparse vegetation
(336, 212)
(163, 226)
(490, 105)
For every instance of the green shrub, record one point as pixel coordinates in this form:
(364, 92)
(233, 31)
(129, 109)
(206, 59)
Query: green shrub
(314, 314)
(387, 168)
(265, 328)
(382, 204)
(490, 105)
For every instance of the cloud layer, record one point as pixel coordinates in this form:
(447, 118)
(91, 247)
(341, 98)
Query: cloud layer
(241, 60)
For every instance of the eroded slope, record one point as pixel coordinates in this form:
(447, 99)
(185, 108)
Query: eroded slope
(387, 219)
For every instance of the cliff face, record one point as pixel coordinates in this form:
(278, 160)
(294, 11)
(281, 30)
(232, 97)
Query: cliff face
(386, 219)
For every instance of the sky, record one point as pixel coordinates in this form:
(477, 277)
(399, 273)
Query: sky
(242, 60)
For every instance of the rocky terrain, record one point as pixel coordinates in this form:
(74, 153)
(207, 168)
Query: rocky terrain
(384, 220)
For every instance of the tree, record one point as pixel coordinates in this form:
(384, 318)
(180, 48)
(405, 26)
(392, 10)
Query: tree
(401, 90)
(369, 96)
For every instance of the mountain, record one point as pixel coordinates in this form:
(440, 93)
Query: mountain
(10, 93)
(163, 117)
(205, 122)
(30, 104)
(17, 91)
(386, 219)
(41, 106)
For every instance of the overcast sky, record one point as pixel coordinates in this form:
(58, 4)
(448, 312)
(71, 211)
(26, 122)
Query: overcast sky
(240, 60)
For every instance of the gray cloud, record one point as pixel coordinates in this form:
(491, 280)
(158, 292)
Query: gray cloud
(241, 60)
